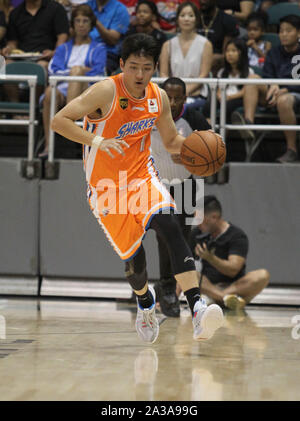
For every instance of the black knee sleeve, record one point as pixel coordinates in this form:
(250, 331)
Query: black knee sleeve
(168, 229)
(135, 270)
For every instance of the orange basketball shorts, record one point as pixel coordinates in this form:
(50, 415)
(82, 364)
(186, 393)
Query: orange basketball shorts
(125, 213)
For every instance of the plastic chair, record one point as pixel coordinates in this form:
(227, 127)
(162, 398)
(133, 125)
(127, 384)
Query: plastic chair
(272, 37)
(22, 68)
(278, 11)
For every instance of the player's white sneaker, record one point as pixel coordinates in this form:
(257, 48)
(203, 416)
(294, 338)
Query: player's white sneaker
(146, 324)
(206, 320)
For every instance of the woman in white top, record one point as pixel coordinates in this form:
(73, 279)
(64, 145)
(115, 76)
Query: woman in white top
(188, 54)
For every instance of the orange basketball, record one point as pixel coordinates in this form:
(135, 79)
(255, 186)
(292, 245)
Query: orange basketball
(203, 153)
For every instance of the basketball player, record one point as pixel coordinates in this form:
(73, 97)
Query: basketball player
(119, 113)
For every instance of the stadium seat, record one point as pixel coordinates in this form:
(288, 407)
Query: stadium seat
(278, 11)
(272, 37)
(22, 68)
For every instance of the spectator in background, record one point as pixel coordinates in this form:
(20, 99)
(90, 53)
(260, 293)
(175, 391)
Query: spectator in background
(6, 7)
(146, 14)
(235, 66)
(223, 254)
(176, 179)
(219, 28)
(266, 4)
(286, 99)
(80, 56)
(3, 26)
(257, 47)
(69, 5)
(37, 26)
(240, 9)
(131, 7)
(188, 54)
(112, 24)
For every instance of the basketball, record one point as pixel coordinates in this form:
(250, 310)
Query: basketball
(203, 153)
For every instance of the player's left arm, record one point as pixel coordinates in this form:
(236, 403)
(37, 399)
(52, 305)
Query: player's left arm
(172, 140)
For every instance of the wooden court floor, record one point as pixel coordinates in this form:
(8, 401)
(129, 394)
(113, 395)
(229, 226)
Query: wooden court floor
(54, 349)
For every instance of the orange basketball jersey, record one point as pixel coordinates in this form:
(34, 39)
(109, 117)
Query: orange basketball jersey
(130, 119)
(125, 192)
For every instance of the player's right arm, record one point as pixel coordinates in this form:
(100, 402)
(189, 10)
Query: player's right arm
(98, 96)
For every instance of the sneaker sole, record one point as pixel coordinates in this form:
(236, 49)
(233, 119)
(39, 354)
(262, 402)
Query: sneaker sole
(212, 320)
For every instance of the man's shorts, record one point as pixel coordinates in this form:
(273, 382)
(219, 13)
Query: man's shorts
(125, 213)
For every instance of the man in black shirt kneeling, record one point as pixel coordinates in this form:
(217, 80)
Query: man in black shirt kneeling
(223, 248)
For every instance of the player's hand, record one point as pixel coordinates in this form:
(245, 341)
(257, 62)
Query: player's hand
(114, 144)
(176, 158)
(217, 134)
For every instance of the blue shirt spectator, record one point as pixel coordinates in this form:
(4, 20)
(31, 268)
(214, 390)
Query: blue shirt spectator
(95, 59)
(112, 24)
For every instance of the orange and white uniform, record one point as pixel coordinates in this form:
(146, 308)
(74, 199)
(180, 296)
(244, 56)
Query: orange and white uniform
(124, 192)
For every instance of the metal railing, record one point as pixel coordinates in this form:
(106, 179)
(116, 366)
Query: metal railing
(32, 82)
(214, 84)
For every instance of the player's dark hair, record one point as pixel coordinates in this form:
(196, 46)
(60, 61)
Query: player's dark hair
(151, 6)
(261, 18)
(212, 204)
(140, 45)
(174, 81)
(293, 20)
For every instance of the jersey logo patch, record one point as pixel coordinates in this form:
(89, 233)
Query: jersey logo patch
(123, 103)
(152, 105)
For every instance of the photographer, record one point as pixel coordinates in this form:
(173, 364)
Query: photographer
(223, 248)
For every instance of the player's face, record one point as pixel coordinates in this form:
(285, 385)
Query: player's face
(288, 34)
(176, 98)
(138, 71)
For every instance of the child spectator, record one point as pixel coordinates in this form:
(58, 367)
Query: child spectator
(146, 14)
(80, 56)
(278, 65)
(236, 66)
(257, 47)
(188, 55)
